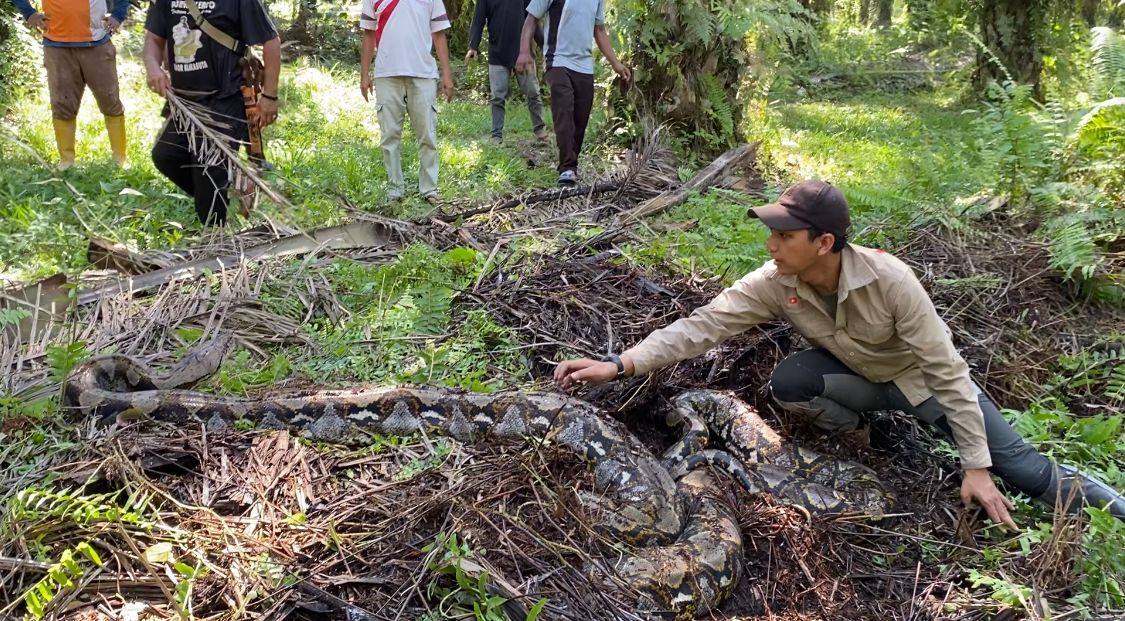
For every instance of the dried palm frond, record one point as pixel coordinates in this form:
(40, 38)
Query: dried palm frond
(207, 142)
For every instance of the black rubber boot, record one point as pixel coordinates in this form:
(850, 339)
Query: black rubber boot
(1074, 489)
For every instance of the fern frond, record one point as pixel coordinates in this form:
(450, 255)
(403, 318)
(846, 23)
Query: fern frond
(719, 107)
(1109, 60)
(879, 199)
(1072, 249)
(39, 505)
(61, 577)
(698, 26)
(1102, 124)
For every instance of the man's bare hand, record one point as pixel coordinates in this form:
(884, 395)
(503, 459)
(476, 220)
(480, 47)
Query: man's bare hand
(111, 24)
(570, 372)
(267, 112)
(37, 21)
(365, 86)
(159, 81)
(623, 71)
(977, 485)
(470, 56)
(447, 89)
(525, 63)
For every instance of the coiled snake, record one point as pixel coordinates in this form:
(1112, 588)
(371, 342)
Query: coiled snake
(685, 544)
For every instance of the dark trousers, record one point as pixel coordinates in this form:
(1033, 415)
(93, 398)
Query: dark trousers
(572, 97)
(207, 185)
(815, 383)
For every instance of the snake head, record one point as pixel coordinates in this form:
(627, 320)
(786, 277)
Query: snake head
(200, 362)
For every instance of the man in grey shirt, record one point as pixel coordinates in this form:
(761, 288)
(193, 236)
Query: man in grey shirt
(505, 20)
(569, 25)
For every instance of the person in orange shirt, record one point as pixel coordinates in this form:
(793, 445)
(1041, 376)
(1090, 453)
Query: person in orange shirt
(78, 52)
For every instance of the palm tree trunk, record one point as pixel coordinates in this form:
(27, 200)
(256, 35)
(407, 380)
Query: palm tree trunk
(1011, 30)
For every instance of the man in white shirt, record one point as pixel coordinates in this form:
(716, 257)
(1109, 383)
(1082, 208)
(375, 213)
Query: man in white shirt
(404, 32)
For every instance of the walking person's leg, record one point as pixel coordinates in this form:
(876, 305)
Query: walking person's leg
(562, 114)
(583, 104)
(529, 85)
(390, 101)
(498, 81)
(212, 183)
(171, 157)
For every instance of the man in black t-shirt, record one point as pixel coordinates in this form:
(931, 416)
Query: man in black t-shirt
(180, 57)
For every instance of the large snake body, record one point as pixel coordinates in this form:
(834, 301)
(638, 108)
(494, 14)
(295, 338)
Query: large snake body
(684, 545)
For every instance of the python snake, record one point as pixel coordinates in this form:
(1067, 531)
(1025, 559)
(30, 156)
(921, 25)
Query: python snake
(683, 544)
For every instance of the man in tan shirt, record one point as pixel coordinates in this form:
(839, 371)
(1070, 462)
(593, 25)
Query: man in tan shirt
(878, 344)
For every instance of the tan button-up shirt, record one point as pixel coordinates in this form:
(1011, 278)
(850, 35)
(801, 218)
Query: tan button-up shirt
(886, 329)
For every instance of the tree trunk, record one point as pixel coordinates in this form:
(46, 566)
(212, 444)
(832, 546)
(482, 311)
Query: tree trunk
(694, 93)
(1012, 31)
(864, 12)
(1090, 12)
(303, 28)
(460, 14)
(820, 8)
(883, 15)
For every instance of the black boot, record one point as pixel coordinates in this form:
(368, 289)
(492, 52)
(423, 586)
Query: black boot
(1072, 490)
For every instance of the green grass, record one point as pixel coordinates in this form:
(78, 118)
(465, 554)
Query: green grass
(899, 158)
(325, 146)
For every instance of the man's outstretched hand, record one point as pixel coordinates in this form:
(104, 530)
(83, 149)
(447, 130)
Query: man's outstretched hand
(570, 372)
(977, 485)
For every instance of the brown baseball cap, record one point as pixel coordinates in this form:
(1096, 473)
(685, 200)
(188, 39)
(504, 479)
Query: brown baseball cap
(807, 205)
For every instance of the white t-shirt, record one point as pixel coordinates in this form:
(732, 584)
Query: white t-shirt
(403, 30)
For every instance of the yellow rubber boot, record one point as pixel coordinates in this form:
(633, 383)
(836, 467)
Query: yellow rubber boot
(65, 129)
(115, 127)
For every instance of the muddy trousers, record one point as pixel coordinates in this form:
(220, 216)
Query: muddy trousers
(814, 383)
(207, 185)
(71, 69)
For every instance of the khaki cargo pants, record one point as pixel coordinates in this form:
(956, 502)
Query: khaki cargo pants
(394, 98)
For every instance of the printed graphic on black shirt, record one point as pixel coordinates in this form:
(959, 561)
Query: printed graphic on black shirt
(186, 42)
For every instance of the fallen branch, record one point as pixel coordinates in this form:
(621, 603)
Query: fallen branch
(715, 172)
(345, 236)
(554, 194)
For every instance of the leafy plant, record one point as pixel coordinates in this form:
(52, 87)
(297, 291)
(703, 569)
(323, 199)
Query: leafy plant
(442, 449)
(691, 56)
(1073, 251)
(471, 597)
(12, 316)
(61, 577)
(63, 358)
(34, 505)
(1108, 60)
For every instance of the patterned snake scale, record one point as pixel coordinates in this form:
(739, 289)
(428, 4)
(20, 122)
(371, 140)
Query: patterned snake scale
(684, 544)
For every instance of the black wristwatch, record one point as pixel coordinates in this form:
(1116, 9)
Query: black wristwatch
(615, 359)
